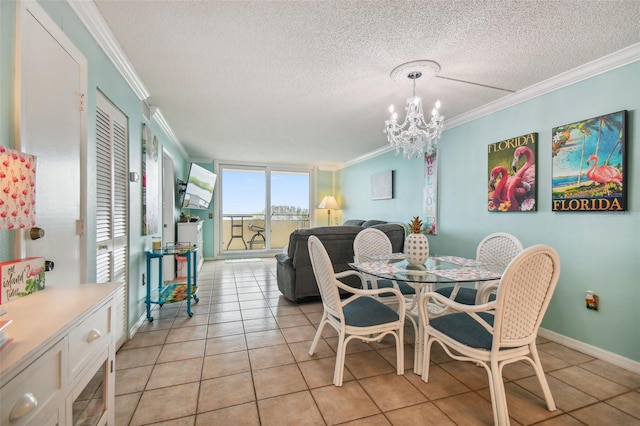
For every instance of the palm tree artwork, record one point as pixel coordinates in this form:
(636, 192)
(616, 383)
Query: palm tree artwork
(588, 164)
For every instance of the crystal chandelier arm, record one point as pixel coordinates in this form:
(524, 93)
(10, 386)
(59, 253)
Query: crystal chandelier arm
(414, 134)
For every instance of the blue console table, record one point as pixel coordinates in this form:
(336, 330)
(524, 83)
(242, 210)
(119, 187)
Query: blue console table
(175, 290)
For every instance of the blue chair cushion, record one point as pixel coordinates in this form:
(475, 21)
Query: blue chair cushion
(367, 311)
(464, 329)
(466, 296)
(402, 286)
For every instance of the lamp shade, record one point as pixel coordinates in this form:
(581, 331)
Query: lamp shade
(328, 202)
(18, 189)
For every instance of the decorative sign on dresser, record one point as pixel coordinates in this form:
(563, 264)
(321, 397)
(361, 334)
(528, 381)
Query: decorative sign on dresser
(21, 277)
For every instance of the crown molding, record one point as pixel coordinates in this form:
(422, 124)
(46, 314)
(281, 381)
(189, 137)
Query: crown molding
(95, 24)
(367, 156)
(93, 21)
(164, 125)
(591, 69)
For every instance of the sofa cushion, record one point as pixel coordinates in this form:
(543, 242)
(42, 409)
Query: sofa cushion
(337, 240)
(370, 223)
(353, 222)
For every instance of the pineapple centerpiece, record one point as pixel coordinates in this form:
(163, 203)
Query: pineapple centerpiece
(416, 245)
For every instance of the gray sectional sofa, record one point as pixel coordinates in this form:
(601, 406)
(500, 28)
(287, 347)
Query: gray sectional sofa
(294, 271)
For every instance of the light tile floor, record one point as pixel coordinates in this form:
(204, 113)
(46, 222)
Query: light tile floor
(242, 360)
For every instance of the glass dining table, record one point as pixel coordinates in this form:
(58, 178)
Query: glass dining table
(436, 271)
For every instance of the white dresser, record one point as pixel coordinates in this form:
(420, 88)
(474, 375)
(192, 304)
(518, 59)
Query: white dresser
(191, 232)
(60, 369)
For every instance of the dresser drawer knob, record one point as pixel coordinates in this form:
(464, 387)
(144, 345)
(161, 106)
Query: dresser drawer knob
(25, 404)
(94, 335)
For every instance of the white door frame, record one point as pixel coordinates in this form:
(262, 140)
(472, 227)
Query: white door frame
(28, 9)
(168, 211)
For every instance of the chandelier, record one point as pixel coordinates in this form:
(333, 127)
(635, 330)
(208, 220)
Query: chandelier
(415, 136)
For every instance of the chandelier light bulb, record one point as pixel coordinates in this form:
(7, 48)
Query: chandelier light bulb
(391, 109)
(438, 104)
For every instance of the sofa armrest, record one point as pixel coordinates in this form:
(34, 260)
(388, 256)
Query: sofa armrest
(284, 258)
(286, 276)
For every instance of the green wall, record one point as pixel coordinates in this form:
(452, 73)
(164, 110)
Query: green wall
(325, 185)
(355, 188)
(598, 251)
(102, 76)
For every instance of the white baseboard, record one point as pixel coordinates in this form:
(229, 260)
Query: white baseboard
(137, 325)
(610, 357)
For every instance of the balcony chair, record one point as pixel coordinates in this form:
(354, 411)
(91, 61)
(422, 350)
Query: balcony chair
(499, 332)
(256, 226)
(499, 248)
(360, 316)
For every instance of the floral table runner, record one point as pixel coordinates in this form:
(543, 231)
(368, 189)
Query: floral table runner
(379, 268)
(390, 257)
(459, 260)
(467, 274)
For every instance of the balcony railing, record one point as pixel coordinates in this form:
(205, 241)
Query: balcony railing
(281, 227)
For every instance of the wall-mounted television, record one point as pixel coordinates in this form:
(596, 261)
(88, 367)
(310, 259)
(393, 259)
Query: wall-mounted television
(199, 189)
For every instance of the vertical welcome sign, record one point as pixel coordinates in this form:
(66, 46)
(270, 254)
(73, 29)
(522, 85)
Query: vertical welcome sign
(430, 192)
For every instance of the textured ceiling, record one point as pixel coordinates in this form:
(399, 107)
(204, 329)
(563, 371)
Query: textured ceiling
(306, 82)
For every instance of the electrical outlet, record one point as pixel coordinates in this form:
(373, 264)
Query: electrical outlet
(210, 215)
(592, 300)
(144, 281)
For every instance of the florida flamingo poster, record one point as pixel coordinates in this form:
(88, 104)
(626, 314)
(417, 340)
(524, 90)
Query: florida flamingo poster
(589, 164)
(512, 177)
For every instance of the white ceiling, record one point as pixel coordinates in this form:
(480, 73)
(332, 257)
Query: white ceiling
(307, 82)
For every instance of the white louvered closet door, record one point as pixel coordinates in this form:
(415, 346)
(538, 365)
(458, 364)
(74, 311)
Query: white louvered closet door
(112, 203)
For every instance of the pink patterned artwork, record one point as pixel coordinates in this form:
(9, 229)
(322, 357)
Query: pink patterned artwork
(17, 189)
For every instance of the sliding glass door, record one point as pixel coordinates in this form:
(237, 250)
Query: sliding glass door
(289, 205)
(261, 206)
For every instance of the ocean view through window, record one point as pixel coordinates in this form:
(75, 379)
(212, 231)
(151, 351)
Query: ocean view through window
(249, 195)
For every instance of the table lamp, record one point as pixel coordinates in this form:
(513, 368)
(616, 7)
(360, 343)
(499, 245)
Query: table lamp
(329, 203)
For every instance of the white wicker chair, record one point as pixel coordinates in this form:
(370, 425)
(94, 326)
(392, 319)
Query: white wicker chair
(368, 246)
(499, 248)
(502, 331)
(360, 316)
